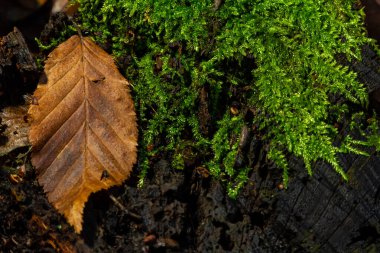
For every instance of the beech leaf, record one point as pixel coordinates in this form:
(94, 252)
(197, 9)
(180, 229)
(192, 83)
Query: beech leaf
(83, 126)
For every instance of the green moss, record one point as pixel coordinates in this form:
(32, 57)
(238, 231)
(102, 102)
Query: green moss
(225, 148)
(281, 53)
(63, 35)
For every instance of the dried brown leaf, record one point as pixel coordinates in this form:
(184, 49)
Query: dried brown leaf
(83, 126)
(59, 5)
(14, 121)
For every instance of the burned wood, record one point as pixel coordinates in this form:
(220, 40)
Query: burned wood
(54, 27)
(18, 70)
(323, 214)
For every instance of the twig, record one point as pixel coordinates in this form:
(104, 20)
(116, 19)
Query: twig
(131, 214)
(76, 26)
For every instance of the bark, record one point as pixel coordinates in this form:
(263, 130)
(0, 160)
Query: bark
(18, 70)
(324, 214)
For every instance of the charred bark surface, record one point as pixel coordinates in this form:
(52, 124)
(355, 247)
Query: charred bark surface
(323, 214)
(18, 70)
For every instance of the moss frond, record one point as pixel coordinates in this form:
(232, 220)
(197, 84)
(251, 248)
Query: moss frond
(285, 52)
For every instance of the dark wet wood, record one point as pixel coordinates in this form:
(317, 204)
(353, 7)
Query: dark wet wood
(324, 214)
(18, 70)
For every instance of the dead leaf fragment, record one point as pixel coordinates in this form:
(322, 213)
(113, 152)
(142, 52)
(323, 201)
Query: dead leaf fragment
(84, 124)
(13, 120)
(59, 5)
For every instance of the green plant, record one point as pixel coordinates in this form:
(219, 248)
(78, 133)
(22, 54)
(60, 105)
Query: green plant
(282, 54)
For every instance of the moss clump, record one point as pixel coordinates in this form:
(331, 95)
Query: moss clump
(281, 53)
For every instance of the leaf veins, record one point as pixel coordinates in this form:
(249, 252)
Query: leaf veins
(83, 125)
